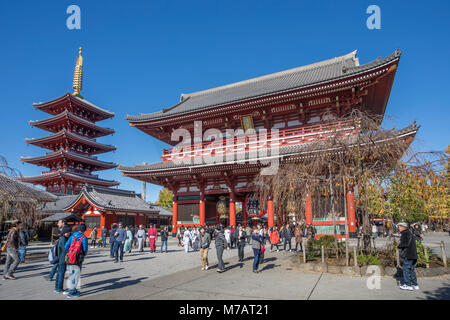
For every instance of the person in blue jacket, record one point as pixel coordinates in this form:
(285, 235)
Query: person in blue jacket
(112, 239)
(75, 269)
(104, 235)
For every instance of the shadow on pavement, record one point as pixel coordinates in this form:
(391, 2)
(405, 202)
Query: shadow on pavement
(439, 294)
(87, 275)
(114, 284)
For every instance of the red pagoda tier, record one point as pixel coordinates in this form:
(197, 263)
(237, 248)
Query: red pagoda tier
(307, 105)
(72, 142)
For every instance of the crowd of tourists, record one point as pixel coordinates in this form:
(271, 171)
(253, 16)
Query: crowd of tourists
(72, 246)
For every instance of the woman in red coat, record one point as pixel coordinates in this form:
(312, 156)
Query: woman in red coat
(152, 235)
(274, 238)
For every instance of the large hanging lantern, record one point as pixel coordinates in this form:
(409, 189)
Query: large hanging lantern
(223, 208)
(254, 205)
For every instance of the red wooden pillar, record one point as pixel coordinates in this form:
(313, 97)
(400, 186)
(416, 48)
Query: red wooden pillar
(270, 214)
(232, 209)
(174, 214)
(244, 213)
(202, 210)
(308, 209)
(351, 212)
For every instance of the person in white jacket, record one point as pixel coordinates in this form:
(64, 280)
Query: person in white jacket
(186, 240)
(228, 236)
(140, 236)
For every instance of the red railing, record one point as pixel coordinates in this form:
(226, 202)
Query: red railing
(253, 142)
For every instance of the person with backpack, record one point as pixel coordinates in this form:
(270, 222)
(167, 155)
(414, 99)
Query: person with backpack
(164, 237)
(76, 247)
(60, 225)
(23, 243)
(94, 236)
(60, 259)
(112, 239)
(11, 247)
(408, 251)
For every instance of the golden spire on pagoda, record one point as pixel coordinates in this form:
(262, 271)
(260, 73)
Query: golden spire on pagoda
(78, 76)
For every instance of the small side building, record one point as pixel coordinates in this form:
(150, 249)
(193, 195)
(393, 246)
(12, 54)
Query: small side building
(100, 206)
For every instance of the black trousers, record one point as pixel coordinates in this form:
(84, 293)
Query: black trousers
(118, 246)
(286, 241)
(241, 246)
(221, 265)
(276, 245)
(296, 246)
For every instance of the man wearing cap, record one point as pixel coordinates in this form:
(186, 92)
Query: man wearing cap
(61, 254)
(408, 252)
(75, 269)
(221, 243)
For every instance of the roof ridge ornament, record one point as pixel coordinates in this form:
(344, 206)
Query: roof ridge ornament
(78, 75)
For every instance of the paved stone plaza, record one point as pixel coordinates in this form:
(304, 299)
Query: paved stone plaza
(177, 275)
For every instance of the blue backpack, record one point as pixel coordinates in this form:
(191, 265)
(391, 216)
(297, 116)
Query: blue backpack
(52, 256)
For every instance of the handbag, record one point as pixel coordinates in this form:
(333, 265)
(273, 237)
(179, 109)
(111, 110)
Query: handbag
(263, 249)
(3, 249)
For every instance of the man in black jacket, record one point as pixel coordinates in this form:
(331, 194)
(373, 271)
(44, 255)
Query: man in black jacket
(221, 243)
(287, 236)
(241, 238)
(408, 252)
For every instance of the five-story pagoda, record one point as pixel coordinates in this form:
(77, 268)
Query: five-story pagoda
(72, 141)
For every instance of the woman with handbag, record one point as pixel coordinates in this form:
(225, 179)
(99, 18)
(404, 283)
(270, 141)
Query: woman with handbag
(11, 247)
(257, 246)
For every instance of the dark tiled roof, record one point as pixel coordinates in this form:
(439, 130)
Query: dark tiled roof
(162, 211)
(58, 206)
(316, 73)
(18, 190)
(288, 150)
(62, 216)
(114, 199)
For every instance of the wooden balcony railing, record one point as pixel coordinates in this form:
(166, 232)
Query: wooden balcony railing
(304, 134)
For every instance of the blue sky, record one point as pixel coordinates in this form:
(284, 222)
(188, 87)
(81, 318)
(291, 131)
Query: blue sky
(139, 56)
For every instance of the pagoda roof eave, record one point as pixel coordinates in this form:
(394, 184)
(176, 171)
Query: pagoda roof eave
(68, 176)
(69, 155)
(68, 115)
(294, 79)
(284, 152)
(105, 114)
(70, 135)
(109, 199)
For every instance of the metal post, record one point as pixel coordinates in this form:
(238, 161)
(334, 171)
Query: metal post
(426, 256)
(355, 259)
(444, 256)
(323, 255)
(304, 254)
(346, 221)
(397, 254)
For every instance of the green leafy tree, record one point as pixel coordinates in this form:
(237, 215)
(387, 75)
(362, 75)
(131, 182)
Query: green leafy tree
(165, 198)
